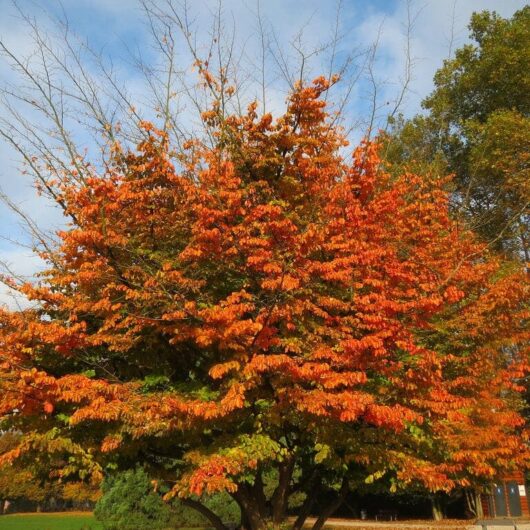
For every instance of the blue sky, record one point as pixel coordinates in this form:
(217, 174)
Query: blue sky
(117, 27)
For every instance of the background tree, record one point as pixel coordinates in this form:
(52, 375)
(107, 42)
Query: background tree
(32, 484)
(16, 483)
(477, 127)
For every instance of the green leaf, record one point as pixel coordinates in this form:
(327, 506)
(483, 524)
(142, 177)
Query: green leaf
(322, 452)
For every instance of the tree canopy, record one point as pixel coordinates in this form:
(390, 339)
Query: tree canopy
(263, 306)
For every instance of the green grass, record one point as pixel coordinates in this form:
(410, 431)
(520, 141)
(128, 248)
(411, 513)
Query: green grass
(49, 521)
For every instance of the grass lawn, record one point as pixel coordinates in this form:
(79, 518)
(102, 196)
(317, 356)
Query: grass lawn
(49, 521)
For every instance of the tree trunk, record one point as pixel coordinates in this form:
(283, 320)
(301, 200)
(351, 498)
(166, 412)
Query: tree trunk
(256, 512)
(281, 493)
(478, 504)
(474, 503)
(312, 486)
(258, 493)
(304, 512)
(437, 511)
(216, 521)
(250, 510)
(245, 523)
(332, 508)
(254, 518)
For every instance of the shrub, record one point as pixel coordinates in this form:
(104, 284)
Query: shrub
(129, 503)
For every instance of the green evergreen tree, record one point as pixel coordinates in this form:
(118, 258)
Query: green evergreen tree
(129, 503)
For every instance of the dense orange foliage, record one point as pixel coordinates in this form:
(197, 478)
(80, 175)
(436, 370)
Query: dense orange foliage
(264, 301)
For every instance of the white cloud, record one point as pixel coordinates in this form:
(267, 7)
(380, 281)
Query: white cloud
(439, 26)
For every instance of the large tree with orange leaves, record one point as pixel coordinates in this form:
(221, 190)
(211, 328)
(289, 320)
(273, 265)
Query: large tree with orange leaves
(266, 309)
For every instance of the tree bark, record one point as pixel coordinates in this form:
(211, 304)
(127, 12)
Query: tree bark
(259, 494)
(333, 507)
(281, 493)
(312, 487)
(437, 511)
(474, 503)
(478, 504)
(216, 521)
(249, 508)
(305, 510)
(245, 523)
